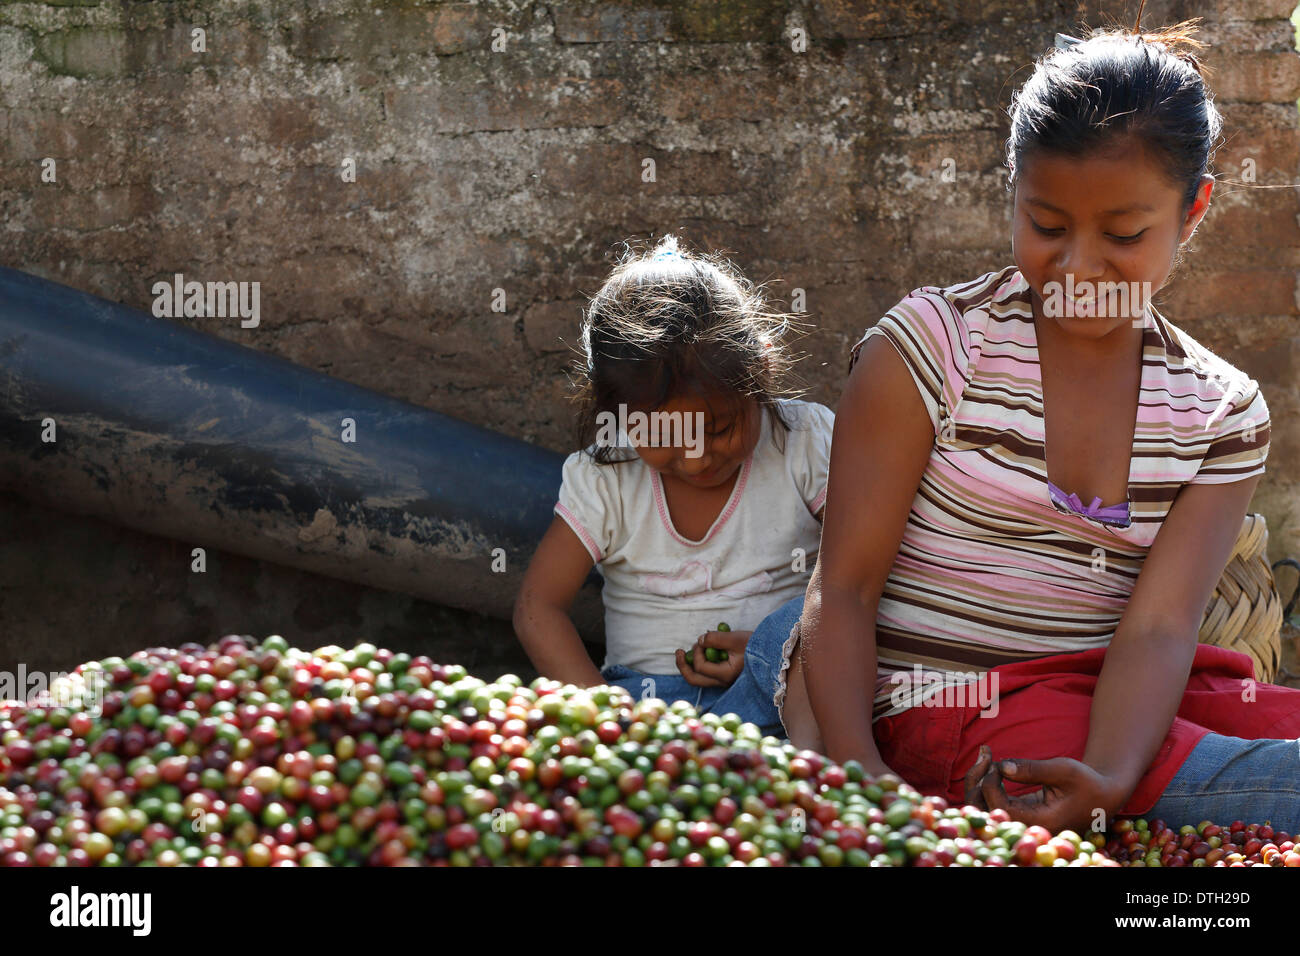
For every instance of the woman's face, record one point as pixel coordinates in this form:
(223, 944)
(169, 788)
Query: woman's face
(1096, 237)
(724, 433)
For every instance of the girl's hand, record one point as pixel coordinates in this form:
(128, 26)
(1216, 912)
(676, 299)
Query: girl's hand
(707, 673)
(1071, 794)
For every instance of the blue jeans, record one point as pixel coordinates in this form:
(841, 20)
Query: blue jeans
(1230, 778)
(749, 697)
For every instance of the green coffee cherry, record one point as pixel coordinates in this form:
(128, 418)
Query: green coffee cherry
(717, 655)
(714, 655)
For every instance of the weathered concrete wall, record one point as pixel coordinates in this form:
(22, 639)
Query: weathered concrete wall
(499, 151)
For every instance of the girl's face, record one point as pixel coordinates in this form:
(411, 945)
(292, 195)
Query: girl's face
(730, 433)
(1104, 229)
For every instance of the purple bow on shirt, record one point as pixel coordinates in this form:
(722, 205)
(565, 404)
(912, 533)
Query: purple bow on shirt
(1113, 514)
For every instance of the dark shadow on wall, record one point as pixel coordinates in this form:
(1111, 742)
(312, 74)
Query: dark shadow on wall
(76, 588)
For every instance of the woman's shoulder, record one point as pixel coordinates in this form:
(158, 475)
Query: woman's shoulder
(1205, 380)
(940, 330)
(955, 318)
(971, 302)
(1211, 411)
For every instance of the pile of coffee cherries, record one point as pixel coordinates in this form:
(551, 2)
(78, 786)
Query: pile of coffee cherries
(259, 754)
(1143, 843)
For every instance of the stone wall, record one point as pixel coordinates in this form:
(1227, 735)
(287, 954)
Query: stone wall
(499, 152)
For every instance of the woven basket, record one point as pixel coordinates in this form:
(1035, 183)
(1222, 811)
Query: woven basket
(1245, 611)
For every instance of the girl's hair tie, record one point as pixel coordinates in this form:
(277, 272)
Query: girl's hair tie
(667, 254)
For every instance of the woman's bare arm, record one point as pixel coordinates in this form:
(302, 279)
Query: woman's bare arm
(1143, 676)
(881, 444)
(1145, 672)
(541, 617)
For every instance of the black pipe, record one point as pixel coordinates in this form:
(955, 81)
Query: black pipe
(179, 433)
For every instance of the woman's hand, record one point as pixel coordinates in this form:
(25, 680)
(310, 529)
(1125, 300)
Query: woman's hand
(706, 673)
(1072, 792)
(975, 776)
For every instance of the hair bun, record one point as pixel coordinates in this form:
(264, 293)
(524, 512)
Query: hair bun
(1179, 41)
(1175, 47)
(1191, 58)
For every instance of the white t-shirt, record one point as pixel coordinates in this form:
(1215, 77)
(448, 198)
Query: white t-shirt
(662, 590)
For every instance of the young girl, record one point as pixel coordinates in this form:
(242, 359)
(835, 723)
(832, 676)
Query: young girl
(707, 514)
(967, 604)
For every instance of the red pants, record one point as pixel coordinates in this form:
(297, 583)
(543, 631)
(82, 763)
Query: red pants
(1043, 712)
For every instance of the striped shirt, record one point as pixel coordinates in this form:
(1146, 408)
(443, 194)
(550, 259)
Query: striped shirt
(990, 570)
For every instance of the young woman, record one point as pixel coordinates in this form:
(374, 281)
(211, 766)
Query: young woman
(1058, 638)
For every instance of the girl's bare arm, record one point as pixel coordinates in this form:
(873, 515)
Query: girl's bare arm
(541, 617)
